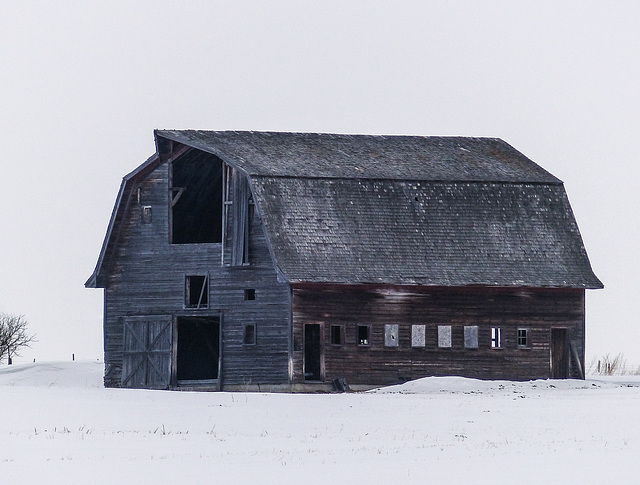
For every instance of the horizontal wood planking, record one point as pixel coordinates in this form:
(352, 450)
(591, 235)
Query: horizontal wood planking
(535, 309)
(147, 278)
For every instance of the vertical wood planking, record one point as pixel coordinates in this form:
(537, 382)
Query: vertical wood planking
(147, 278)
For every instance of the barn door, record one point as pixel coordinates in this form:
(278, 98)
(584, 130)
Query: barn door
(146, 361)
(312, 352)
(559, 354)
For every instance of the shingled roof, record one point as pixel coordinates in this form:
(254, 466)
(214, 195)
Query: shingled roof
(441, 211)
(444, 211)
(321, 155)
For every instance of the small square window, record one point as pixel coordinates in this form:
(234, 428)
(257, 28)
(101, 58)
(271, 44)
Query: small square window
(250, 294)
(523, 337)
(444, 336)
(145, 213)
(364, 335)
(391, 335)
(336, 335)
(496, 338)
(471, 337)
(196, 291)
(249, 334)
(418, 335)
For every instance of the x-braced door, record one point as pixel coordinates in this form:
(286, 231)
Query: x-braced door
(146, 361)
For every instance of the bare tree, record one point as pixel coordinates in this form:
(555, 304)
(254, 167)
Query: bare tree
(13, 335)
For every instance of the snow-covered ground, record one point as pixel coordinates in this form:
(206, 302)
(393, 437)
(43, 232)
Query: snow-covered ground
(59, 426)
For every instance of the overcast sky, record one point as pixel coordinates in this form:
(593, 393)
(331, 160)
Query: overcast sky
(83, 84)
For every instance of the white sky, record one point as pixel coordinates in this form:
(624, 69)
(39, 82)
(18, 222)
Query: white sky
(83, 84)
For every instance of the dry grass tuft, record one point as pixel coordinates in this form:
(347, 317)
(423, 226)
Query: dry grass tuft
(611, 366)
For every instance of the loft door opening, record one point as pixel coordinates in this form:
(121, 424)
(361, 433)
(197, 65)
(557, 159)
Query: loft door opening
(198, 356)
(196, 199)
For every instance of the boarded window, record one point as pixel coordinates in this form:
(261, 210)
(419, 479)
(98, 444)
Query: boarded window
(364, 335)
(523, 337)
(336, 335)
(418, 335)
(391, 335)
(444, 336)
(496, 338)
(471, 337)
(249, 334)
(196, 291)
(196, 199)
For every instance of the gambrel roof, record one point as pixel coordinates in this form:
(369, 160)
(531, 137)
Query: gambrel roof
(441, 211)
(323, 155)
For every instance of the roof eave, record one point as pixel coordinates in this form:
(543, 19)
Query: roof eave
(96, 280)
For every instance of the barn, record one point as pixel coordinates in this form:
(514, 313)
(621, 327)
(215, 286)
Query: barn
(304, 262)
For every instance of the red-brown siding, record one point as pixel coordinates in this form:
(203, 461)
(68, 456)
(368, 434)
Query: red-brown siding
(536, 309)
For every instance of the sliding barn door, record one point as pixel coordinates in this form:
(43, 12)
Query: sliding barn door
(146, 361)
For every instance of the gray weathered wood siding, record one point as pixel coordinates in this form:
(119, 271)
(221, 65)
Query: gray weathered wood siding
(147, 278)
(537, 310)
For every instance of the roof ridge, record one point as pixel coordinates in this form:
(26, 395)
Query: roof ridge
(392, 157)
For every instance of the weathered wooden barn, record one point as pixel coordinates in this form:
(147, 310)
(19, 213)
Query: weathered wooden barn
(291, 261)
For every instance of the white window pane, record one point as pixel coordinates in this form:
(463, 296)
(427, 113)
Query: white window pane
(471, 337)
(444, 336)
(496, 337)
(418, 338)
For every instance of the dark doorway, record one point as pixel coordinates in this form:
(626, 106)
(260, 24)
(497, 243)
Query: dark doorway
(559, 354)
(198, 348)
(312, 352)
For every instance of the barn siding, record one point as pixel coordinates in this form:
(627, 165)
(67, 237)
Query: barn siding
(147, 278)
(536, 309)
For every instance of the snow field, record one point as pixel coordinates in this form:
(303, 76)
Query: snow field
(60, 426)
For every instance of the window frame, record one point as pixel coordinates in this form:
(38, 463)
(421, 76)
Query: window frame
(496, 338)
(203, 298)
(526, 336)
(146, 214)
(336, 330)
(254, 341)
(367, 342)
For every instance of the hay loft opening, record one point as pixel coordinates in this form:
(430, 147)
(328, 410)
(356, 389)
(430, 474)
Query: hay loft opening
(196, 199)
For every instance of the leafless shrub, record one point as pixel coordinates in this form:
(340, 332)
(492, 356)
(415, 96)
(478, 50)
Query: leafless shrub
(13, 335)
